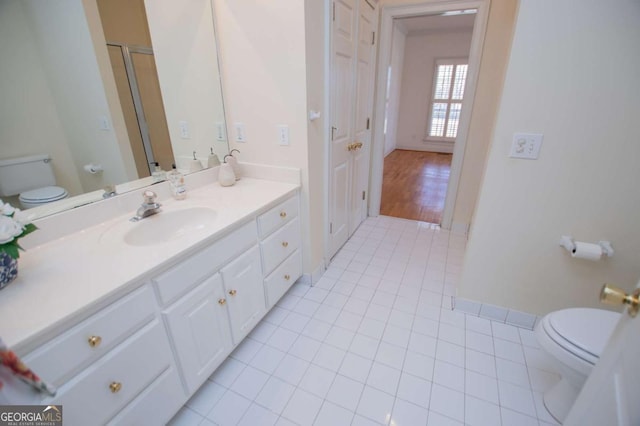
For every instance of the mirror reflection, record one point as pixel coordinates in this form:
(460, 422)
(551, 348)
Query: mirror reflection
(95, 92)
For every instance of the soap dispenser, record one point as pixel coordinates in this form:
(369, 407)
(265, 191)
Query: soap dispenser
(213, 160)
(176, 179)
(226, 176)
(195, 164)
(157, 174)
(234, 163)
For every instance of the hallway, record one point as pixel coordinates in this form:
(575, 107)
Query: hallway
(414, 185)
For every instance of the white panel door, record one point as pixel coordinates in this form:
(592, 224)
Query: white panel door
(200, 331)
(244, 293)
(362, 122)
(343, 42)
(610, 394)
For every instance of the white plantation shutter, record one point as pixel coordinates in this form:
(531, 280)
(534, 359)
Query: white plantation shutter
(448, 92)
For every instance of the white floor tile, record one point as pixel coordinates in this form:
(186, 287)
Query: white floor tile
(375, 405)
(291, 369)
(339, 337)
(423, 344)
(455, 318)
(356, 306)
(513, 418)
(276, 315)
(447, 402)
(289, 301)
(246, 350)
(516, 398)
(262, 331)
(329, 357)
(355, 367)
(449, 375)
(437, 419)
(372, 328)
(342, 287)
(479, 342)
(305, 348)
(345, 392)
(390, 355)
(249, 382)
(425, 326)
(185, 417)
(539, 359)
(479, 325)
(480, 413)
(335, 299)
(384, 378)
(302, 408)
(257, 415)
(317, 380)
(282, 339)
(332, 415)
(481, 386)
(378, 312)
(509, 350)
(364, 346)
(396, 335)
(407, 414)
(316, 329)
(267, 359)
(306, 307)
(359, 420)
(275, 394)
(541, 411)
(401, 319)
(349, 320)
(505, 332)
(480, 363)
(206, 397)
(452, 334)
(450, 353)
(206, 422)
(415, 390)
(222, 414)
(228, 372)
(512, 372)
(419, 365)
(528, 338)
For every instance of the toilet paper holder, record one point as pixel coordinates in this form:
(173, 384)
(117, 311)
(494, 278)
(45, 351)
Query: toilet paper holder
(568, 243)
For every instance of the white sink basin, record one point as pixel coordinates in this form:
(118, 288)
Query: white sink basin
(167, 226)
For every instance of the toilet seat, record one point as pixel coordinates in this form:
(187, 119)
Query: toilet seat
(43, 195)
(582, 332)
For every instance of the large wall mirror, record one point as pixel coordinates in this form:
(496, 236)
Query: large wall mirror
(106, 87)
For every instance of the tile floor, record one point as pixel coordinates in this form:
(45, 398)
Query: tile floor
(375, 342)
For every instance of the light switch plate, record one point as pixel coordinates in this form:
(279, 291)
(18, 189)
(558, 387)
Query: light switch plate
(526, 145)
(220, 132)
(283, 135)
(185, 133)
(240, 132)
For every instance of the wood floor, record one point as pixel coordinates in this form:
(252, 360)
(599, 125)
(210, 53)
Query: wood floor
(414, 185)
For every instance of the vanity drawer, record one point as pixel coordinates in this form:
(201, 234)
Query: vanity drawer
(156, 404)
(183, 277)
(281, 244)
(107, 386)
(278, 216)
(282, 278)
(61, 358)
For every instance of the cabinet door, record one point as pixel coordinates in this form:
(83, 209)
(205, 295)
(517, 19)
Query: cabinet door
(245, 293)
(200, 331)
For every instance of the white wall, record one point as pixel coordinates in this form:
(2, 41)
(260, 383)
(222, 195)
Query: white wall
(23, 105)
(421, 51)
(395, 87)
(184, 46)
(575, 81)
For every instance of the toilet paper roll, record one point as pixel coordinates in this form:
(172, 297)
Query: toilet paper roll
(587, 251)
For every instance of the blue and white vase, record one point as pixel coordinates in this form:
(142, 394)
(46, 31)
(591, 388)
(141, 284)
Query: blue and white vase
(8, 269)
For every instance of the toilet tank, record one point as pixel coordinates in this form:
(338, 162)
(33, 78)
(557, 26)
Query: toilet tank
(25, 173)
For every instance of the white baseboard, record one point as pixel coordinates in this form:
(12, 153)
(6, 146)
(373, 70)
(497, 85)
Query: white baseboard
(313, 277)
(495, 313)
(460, 228)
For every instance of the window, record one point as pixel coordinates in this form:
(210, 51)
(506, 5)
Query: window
(448, 91)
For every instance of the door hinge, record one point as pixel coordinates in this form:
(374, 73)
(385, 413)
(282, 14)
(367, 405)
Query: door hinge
(331, 228)
(373, 37)
(334, 11)
(368, 122)
(364, 195)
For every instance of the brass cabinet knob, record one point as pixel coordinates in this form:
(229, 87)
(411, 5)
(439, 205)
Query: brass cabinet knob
(115, 387)
(285, 244)
(613, 295)
(94, 341)
(283, 214)
(232, 292)
(222, 301)
(287, 277)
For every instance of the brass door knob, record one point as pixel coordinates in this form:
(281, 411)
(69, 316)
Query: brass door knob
(350, 147)
(283, 214)
(285, 244)
(287, 277)
(115, 387)
(94, 341)
(357, 145)
(613, 295)
(232, 292)
(222, 301)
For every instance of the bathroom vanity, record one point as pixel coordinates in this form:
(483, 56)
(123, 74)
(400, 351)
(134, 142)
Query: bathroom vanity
(128, 320)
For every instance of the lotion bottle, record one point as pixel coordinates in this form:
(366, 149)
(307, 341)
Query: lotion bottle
(176, 179)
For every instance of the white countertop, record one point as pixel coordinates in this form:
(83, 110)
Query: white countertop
(78, 274)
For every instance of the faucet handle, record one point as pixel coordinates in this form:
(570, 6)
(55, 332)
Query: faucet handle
(149, 197)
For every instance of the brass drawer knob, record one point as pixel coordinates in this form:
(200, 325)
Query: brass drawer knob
(285, 244)
(232, 292)
(222, 301)
(94, 341)
(115, 387)
(283, 214)
(287, 277)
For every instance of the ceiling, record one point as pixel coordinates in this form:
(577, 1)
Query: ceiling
(437, 23)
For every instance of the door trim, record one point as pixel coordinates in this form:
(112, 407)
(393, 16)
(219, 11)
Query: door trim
(384, 57)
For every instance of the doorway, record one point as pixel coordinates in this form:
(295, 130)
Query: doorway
(432, 117)
(426, 79)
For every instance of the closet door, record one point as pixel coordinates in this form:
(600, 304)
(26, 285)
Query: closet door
(352, 64)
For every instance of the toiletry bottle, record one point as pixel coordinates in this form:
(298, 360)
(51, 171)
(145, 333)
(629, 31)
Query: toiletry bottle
(234, 163)
(158, 174)
(213, 160)
(226, 176)
(195, 164)
(176, 179)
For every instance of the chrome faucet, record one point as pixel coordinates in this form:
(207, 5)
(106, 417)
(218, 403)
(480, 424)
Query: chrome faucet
(149, 206)
(109, 191)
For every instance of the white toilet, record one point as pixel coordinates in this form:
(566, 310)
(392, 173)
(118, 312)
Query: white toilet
(575, 338)
(31, 177)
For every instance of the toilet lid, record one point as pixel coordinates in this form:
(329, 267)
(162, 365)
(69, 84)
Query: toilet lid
(587, 329)
(44, 195)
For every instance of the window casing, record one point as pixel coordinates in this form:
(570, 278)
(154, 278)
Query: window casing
(450, 77)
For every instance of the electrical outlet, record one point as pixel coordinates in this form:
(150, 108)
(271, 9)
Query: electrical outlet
(104, 123)
(184, 130)
(220, 132)
(526, 145)
(240, 132)
(283, 135)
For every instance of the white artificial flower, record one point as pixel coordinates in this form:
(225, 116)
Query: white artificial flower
(23, 218)
(6, 209)
(9, 229)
